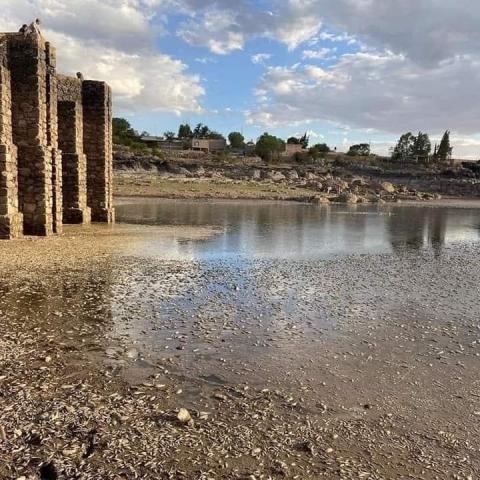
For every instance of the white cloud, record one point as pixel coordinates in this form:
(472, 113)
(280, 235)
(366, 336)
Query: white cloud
(119, 51)
(321, 53)
(387, 92)
(260, 58)
(223, 26)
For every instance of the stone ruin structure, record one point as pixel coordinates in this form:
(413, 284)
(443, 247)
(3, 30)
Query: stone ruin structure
(55, 142)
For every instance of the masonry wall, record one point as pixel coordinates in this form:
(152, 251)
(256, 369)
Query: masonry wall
(34, 122)
(97, 139)
(11, 221)
(74, 160)
(55, 142)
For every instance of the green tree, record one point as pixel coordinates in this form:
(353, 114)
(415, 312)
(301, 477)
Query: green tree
(303, 140)
(184, 131)
(359, 150)
(215, 135)
(422, 146)
(268, 147)
(236, 139)
(123, 133)
(404, 147)
(444, 151)
(169, 136)
(201, 131)
(319, 149)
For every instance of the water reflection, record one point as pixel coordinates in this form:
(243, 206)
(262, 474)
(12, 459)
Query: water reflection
(300, 231)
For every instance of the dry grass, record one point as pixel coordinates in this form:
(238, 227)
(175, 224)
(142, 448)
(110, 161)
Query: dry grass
(150, 185)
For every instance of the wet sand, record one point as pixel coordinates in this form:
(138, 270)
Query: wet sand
(363, 366)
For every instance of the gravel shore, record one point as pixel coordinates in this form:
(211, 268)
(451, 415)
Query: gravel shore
(117, 365)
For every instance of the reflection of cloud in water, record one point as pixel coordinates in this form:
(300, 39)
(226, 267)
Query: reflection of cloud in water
(290, 230)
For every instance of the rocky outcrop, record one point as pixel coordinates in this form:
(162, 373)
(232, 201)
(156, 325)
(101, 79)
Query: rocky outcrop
(329, 185)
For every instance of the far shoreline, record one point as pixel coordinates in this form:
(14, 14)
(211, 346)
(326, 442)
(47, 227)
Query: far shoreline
(450, 202)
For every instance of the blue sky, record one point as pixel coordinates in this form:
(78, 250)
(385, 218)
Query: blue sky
(347, 71)
(230, 82)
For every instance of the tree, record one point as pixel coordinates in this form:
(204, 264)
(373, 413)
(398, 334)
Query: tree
(359, 150)
(169, 136)
(184, 131)
(268, 147)
(404, 147)
(123, 133)
(422, 145)
(201, 131)
(214, 135)
(303, 141)
(319, 148)
(444, 151)
(236, 139)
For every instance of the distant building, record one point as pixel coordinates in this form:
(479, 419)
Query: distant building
(209, 145)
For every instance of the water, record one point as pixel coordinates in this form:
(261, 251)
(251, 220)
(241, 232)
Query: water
(283, 230)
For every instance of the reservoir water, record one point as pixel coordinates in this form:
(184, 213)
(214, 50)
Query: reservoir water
(283, 230)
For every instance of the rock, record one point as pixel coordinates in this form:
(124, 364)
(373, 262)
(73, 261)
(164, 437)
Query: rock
(256, 174)
(292, 175)
(220, 396)
(48, 471)
(184, 415)
(275, 176)
(178, 170)
(358, 182)
(320, 200)
(387, 187)
(347, 197)
(132, 353)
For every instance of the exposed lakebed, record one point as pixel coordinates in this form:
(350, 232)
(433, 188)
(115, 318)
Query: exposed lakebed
(306, 341)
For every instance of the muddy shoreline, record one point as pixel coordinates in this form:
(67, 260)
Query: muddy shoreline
(360, 368)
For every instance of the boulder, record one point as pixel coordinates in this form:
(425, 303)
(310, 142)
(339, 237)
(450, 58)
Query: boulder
(347, 197)
(256, 174)
(275, 176)
(292, 175)
(387, 187)
(320, 200)
(358, 182)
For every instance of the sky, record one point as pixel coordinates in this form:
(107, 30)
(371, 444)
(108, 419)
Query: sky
(345, 71)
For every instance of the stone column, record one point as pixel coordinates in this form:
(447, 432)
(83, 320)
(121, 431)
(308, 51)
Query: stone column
(11, 221)
(97, 140)
(74, 161)
(34, 122)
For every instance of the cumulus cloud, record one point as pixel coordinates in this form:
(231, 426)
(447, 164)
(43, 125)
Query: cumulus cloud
(416, 67)
(384, 91)
(426, 31)
(224, 26)
(119, 50)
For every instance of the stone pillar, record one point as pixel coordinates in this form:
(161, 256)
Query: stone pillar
(97, 140)
(74, 161)
(11, 221)
(34, 122)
